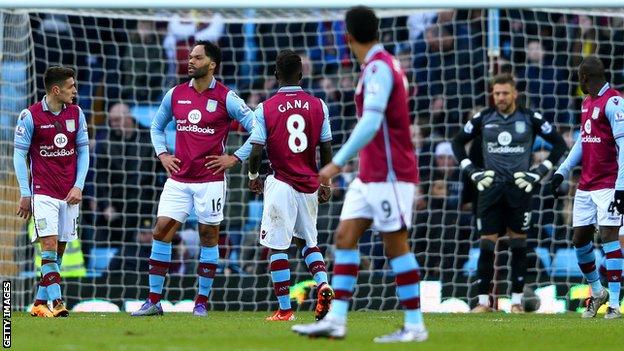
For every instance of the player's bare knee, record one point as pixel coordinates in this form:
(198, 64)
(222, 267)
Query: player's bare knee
(300, 243)
(345, 240)
(395, 243)
(583, 235)
(48, 243)
(165, 228)
(208, 234)
(608, 234)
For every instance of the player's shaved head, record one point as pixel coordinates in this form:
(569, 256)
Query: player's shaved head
(288, 67)
(591, 75)
(362, 24)
(593, 68)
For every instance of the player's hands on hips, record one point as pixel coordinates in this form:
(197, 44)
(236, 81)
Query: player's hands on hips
(328, 172)
(220, 163)
(170, 163)
(480, 177)
(324, 193)
(618, 200)
(555, 182)
(23, 210)
(527, 180)
(256, 185)
(74, 196)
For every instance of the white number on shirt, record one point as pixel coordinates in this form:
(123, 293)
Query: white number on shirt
(297, 141)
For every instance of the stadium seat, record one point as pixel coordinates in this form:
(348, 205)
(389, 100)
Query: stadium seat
(254, 215)
(143, 114)
(544, 256)
(564, 263)
(100, 258)
(470, 267)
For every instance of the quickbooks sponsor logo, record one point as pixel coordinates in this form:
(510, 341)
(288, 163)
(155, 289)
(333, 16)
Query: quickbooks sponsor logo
(194, 128)
(493, 148)
(57, 153)
(591, 139)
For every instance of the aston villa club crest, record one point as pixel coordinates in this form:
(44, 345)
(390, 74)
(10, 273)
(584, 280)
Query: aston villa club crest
(595, 113)
(70, 125)
(211, 105)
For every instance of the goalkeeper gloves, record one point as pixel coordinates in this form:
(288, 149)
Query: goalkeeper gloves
(480, 177)
(555, 182)
(527, 180)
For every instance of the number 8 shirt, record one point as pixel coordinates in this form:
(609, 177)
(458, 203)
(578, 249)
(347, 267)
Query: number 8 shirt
(291, 125)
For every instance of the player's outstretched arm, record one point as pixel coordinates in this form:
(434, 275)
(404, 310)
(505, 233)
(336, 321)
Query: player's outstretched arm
(238, 110)
(572, 160)
(324, 193)
(21, 142)
(257, 139)
(378, 81)
(157, 133)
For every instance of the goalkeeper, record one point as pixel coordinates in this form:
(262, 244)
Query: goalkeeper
(506, 183)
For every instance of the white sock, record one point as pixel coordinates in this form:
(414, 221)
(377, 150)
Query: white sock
(516, 298)
(484, 300)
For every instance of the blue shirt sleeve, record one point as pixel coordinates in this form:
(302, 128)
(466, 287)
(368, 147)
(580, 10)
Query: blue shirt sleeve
(326, 134)
(238, 110)
(614, 110)
(21, 142)
(258, 135)
(24, 130)
(82, 143)
(161, 119)
(378, 81)
(573, 159)
(82, 138)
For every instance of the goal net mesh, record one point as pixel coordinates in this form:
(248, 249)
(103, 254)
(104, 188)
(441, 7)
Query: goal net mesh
(126, 60)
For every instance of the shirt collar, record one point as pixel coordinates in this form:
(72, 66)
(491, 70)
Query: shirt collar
(375, 49)
(289, 89)
(44, 104)
(213, 83)
(604, 89)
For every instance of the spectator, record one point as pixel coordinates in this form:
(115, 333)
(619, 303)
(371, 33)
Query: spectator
(127, 178)
(181, 35)
(143, 65)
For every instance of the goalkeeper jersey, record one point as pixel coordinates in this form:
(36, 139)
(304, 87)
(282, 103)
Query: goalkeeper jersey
(507, 141)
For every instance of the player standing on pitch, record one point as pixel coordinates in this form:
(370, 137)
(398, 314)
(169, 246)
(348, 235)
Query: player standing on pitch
(202, 111)
(291, 125)
(382, 195)
(505, 183)
(600, 191)
(53, 133)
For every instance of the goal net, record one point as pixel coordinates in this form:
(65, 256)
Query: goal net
(125, 60)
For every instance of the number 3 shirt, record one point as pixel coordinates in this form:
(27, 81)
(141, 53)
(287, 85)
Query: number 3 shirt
(291, 124)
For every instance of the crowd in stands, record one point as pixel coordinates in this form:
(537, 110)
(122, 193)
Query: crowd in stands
(125, 65)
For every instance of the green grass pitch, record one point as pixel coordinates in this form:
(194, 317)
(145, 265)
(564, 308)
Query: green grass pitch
(231, 331)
